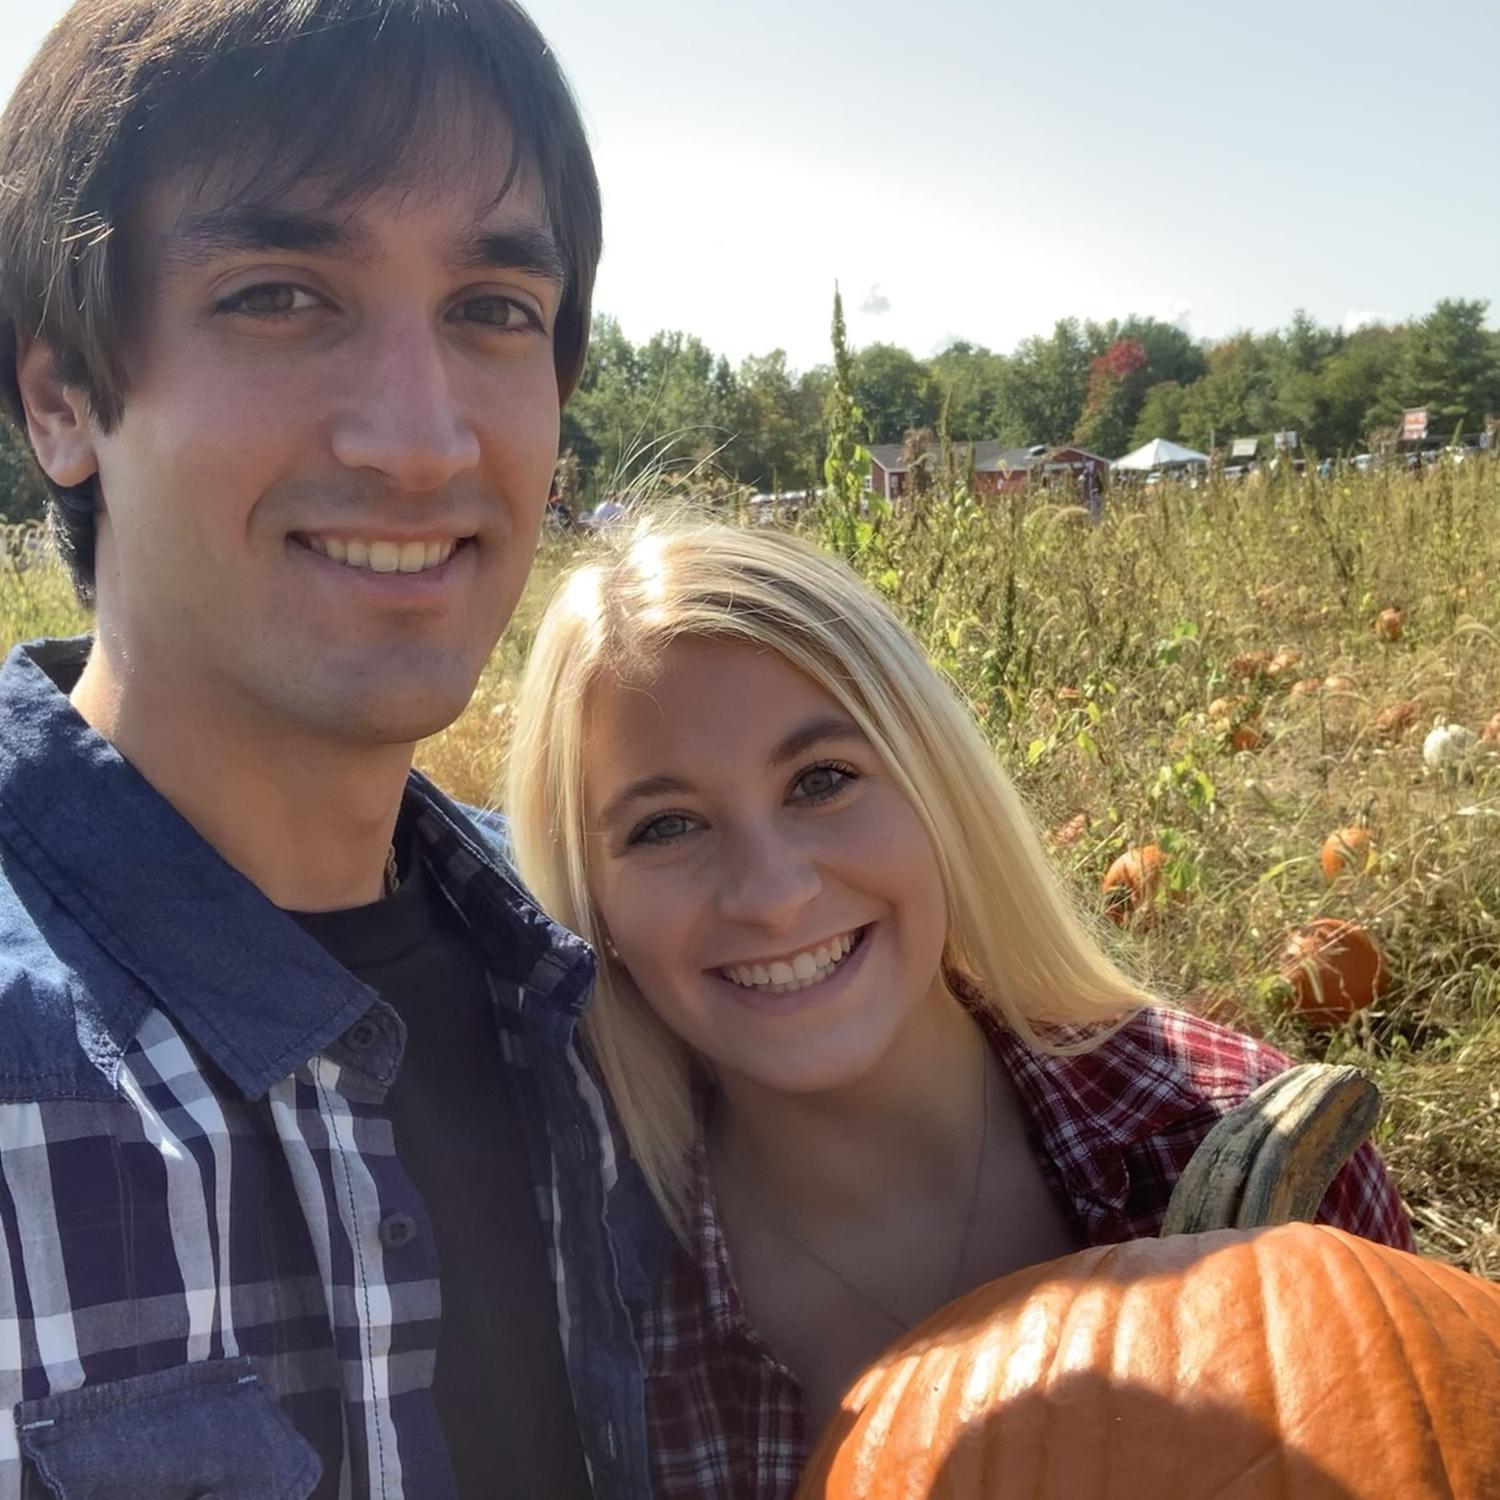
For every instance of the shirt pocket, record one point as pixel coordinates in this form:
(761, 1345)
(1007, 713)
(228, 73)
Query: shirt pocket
(204, 1431)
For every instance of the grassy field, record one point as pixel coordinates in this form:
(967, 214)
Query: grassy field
(1096, 658)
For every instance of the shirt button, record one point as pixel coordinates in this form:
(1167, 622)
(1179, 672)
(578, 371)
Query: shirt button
(397, 1231)
(362, 1035)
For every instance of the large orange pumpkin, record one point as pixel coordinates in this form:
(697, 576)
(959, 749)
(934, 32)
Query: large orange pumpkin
(1334, 968)
(1292, 1363)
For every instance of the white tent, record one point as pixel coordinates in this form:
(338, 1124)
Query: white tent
(1160, 454)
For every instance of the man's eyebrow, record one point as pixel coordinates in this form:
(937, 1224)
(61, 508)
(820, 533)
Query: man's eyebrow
(815, 732)
(639, 791)
(254, 228)
(527, 248)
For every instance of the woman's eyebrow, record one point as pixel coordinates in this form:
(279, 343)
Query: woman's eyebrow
(639, 791)
(814, 732)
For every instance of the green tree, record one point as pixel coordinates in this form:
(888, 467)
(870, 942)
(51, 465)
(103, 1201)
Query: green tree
(894, 390)
(968, 378)
(1160, 415)
(1043, 387)
(775, 432)
(1449, 366)
(23, 495)
(1233, 399)
(1351, 386)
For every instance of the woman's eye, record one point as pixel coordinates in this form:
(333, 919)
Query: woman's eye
(662, 830)
(498, 312)
(819, 783)
(269, 299)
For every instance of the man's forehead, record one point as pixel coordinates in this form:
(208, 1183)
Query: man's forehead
(460, 170)
(197, 220)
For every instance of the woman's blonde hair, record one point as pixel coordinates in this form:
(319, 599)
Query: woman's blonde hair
(1014, 939)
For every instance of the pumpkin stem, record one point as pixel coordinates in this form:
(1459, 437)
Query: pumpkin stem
(1271, 1159)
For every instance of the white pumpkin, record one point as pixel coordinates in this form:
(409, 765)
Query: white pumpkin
(1447, 748)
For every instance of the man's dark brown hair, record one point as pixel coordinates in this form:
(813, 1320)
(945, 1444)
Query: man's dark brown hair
(346, 93)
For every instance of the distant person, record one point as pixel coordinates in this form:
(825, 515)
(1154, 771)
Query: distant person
(865, 1053)
(607, 512)
(304, 1175)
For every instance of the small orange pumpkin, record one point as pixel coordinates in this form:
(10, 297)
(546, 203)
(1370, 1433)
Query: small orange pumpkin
(1132, 881)
(1334, 968)
(1292, 1363)
(1394, 719)
(1339, 682)
(1246, 736)
(1388, 624)
(1250, 664)
(1346, 849)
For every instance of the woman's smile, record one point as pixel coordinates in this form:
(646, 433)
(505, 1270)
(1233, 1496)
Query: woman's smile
(816, 975)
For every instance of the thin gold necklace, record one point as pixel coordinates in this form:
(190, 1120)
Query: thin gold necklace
(864, 1294)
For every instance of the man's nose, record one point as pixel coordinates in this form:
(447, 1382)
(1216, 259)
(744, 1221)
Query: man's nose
(402, 417)
(766, 879)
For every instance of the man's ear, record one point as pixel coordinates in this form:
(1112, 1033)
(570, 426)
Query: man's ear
(58, 418)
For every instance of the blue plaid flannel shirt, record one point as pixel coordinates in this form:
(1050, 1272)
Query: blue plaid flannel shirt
(215, 1276)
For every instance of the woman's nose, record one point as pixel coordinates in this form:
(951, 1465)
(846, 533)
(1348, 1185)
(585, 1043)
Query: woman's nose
(766, 880)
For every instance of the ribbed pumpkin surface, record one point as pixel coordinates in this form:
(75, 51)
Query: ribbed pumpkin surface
(1271, 1364)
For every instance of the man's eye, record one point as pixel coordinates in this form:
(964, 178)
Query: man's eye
(269, 299)
(819, 783)
(499, 312)
(662, 829)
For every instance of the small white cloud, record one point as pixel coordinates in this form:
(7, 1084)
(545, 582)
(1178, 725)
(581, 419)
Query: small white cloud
(1357, 318)
(876, 302)
(1168, 309)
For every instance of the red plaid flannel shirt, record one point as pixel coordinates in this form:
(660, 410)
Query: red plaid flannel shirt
(1114, 1128)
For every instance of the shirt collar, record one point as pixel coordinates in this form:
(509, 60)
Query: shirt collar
(1091, 1109)
(252, 990)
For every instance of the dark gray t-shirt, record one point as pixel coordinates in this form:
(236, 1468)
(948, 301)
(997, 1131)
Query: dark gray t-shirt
(501, 1386)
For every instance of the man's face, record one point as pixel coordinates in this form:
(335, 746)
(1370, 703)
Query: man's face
(323, 497)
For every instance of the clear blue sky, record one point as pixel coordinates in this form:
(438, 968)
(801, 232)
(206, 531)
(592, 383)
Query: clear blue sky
(976, 169)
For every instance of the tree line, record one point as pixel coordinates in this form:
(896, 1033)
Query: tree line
(1108, 386)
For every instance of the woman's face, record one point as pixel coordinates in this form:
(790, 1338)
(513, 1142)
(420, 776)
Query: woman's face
(767, 885)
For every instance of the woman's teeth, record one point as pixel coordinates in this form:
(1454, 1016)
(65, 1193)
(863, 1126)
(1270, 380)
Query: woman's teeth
(786, 976)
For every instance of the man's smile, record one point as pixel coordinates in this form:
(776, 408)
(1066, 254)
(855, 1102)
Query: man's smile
(383, 554)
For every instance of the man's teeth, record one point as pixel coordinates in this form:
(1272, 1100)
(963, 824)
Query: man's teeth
(785, 976)
(384, 556)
